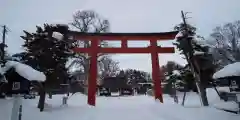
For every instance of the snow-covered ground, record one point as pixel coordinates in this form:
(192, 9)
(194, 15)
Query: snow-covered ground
(120, 108)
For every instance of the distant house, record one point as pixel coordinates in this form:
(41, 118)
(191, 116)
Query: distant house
(80, 77)
(115, 83)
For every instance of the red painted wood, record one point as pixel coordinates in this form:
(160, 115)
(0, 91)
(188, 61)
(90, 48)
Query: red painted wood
(156, 72)
(123, 36)
(127, 50)
(124, 44)
(92, 82)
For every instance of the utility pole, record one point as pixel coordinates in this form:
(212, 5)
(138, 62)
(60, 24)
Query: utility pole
(195, 69)
(185, 35)
(4, 33)
(3, 45)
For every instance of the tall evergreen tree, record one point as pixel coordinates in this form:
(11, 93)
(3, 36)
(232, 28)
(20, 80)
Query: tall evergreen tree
(48, 54)
(48, 50)
(197, 55)
(135, 76)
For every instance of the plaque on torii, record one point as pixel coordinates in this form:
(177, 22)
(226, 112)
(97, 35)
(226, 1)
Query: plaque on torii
(95, 49)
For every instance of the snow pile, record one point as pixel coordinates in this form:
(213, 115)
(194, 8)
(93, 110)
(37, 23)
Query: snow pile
(25, 71)
(57, 35)
(215, 101)
(227, 71)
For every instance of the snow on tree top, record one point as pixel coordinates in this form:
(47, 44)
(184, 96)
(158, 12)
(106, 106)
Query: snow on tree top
(180, 34)
(198, 41)
(228, 70)
(202, 43)
(176, 72)
(55, 25)
(57, 35)
(24, 70)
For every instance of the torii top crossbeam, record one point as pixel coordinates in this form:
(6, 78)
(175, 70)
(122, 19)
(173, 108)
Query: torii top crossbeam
(124, 37)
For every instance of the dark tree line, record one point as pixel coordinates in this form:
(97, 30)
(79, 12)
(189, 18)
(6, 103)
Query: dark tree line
(134, 76)
(130, 80)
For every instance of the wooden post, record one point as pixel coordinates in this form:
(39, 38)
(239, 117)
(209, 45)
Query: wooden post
(92, 81)
(156, 71)
(124, 43)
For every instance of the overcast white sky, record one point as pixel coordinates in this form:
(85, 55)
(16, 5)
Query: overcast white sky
(124, 16)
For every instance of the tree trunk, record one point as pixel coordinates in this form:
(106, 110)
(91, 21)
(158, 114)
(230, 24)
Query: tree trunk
(42, 98)
(184, 98)
(201, 91)
(203, 94)
(204, 97)
(201, 88)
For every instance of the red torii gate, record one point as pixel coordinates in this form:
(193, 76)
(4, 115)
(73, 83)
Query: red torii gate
(94, 49)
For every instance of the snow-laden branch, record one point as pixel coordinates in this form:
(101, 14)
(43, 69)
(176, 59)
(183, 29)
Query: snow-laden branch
(196, 39)
(57, 35)
(24, 70)
(198, 53)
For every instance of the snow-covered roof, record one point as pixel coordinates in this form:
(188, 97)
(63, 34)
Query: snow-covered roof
(228, 70)
(24, 70)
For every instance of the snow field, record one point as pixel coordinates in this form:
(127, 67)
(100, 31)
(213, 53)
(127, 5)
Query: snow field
(120, 108)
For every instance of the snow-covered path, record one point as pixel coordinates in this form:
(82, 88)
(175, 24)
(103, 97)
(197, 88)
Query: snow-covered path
(115, 108)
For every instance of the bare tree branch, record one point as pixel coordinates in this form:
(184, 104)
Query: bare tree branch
(227, 39)
(90, 21)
